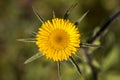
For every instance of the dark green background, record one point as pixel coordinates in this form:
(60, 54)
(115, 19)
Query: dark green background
(17, 20)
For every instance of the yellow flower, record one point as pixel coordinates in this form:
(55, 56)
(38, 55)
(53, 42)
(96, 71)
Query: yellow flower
(58, 39)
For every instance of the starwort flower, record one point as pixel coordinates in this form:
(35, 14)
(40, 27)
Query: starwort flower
(58, 39)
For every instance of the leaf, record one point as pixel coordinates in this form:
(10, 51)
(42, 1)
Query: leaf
(89, 45)
(81, 18)
(34, 57)
(96, 42)
(53, 14)
(37, 15)
(66, 15)
(75, 64)
(112, 59)
(27, 40)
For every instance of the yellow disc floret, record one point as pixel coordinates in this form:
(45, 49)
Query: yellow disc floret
(58, 39)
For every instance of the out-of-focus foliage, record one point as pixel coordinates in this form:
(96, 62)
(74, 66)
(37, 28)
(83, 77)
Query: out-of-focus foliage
(17, 20)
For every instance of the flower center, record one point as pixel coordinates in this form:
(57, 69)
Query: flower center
(59, 39)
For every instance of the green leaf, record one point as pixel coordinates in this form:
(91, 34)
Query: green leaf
(96, 42)
(66, 15)
(53, 14)
(89, 45)
(34, 57)
(27, 40)
(112, 59)
(76, 65)
(38, 16)
(81, 18)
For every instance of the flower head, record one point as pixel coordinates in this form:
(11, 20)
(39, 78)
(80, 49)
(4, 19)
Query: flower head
(58, 39)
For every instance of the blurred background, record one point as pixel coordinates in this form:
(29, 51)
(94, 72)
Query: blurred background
(17, 20)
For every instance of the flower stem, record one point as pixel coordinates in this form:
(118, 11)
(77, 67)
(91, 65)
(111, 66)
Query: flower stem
(89, 61)
(104, 27)
(59, 70)
(88, 56)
